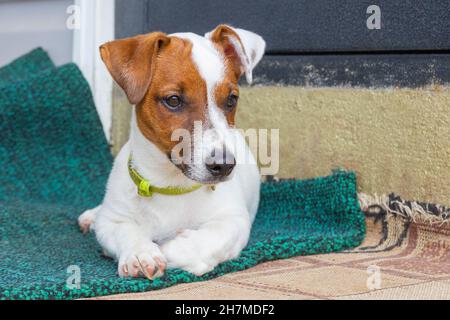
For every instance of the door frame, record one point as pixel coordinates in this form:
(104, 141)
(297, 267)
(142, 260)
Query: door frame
(97, 19)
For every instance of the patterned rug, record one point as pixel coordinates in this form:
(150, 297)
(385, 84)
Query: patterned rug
(55, 161)
(406, 255)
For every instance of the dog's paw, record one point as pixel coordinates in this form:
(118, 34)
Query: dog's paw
(198, 268)
(149, 263)
(182, 252)
(86, 220)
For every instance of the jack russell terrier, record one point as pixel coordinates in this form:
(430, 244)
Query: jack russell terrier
(194, 208)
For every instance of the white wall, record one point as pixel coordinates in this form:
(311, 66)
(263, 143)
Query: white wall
(96, 28)
(25, 25)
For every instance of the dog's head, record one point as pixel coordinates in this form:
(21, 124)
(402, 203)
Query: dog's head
(182, 80)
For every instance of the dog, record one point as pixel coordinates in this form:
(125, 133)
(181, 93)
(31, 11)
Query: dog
(164, 209)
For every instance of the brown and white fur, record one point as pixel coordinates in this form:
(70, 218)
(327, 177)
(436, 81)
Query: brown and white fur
(197, 230)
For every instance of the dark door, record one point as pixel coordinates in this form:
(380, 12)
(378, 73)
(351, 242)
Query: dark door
(318, 42)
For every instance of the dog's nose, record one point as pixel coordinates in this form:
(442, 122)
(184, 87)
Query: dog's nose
(220, 166)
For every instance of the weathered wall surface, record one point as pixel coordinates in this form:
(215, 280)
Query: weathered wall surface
(397, 140)
(120, 122)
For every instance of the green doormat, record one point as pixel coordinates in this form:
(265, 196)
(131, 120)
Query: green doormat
(55, 162)
(21, 68)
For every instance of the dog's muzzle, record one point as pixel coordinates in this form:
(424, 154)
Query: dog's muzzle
(222, 166)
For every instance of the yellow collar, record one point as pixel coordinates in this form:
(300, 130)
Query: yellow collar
(145, 189)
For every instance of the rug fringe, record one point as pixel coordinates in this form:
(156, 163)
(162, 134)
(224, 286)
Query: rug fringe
(411, 210)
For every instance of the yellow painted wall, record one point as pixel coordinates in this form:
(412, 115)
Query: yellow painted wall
(397, 140)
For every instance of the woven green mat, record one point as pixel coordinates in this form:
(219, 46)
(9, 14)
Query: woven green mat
(24, 66)
(55, 162)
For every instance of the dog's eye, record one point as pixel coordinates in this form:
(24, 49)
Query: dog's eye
(172, 102)
(232, 101)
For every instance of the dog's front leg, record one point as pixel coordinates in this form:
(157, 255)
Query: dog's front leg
(124, 240)
(199, 251)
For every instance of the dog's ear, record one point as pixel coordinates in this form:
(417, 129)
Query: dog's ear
(131, 61)
(244, 48)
